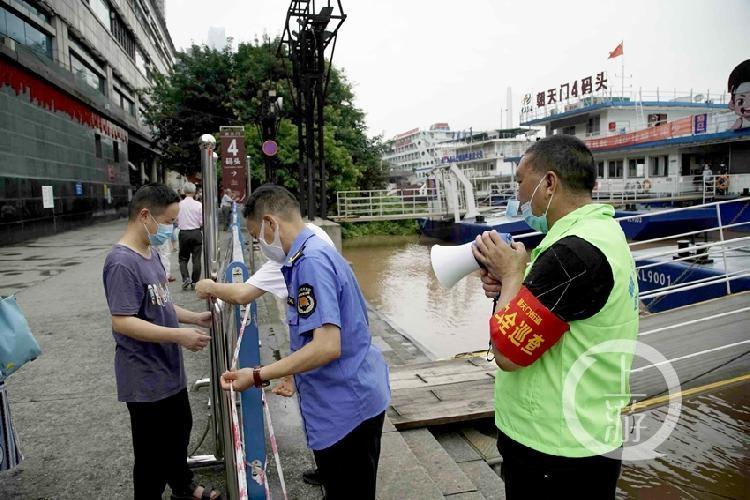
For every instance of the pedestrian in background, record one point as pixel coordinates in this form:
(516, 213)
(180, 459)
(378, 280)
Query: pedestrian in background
(167, 248)
(226, 207)
(190, 222)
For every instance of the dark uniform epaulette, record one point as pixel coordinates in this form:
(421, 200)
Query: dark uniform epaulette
(294, 258)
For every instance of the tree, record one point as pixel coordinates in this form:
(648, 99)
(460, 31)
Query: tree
(208, 89)
(188, 103)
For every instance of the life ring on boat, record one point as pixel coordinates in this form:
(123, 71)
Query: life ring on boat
(722, 183)
(646, 185)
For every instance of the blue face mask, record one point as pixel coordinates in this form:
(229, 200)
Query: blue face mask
(163, 233)
(536, 222)
(511, 209)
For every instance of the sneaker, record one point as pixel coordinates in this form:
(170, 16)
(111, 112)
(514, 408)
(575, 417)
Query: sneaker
(312, 476)
(185, 284)
(192, 286)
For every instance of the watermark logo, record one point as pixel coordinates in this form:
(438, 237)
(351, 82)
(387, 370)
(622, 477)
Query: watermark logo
(635, 447)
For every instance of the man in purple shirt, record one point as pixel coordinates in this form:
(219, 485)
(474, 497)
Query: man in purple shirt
(149, 368)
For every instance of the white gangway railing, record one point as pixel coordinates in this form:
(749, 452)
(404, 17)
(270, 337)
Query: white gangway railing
(388, 204)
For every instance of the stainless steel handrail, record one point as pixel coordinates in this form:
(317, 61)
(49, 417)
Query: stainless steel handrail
(218, 348)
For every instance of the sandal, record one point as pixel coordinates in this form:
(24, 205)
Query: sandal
(188, 495)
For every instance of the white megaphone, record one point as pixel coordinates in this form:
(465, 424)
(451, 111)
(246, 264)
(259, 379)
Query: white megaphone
(451, 263)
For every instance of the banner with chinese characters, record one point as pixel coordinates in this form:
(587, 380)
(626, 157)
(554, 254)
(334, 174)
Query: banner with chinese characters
(567, 91)
(669, 130)
(233, 162)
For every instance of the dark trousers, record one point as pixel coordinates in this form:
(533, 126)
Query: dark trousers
(349, 468)
(161, 433)
(226, 216)
(191, 243)
(531, 474)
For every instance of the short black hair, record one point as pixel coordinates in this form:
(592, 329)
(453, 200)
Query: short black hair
(741, 73)
(568, 157)
(155, 196)
(270, 198)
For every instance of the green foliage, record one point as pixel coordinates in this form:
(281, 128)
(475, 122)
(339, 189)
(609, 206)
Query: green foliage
(394, 228)
(209, 88)
(190, 102)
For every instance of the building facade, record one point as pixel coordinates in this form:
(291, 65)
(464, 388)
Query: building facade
(488, 159)
(411, 155)
(72, 74)
(657, 147)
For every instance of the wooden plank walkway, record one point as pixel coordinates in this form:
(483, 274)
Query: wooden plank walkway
(705, 343)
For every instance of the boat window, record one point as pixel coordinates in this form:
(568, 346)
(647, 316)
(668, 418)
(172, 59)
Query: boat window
(593, 125)
(658, 166)
(636, 167)
(614, 169)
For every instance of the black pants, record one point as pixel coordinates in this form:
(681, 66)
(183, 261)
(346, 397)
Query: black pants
(532, 474)
(191, 243)
(226, 216)
(349, 468)
(161, 433)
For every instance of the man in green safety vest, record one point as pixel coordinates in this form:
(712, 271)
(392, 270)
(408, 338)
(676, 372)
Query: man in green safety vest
(560, 387)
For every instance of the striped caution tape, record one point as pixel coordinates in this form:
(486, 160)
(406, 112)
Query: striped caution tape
(274, 447)
(260, 474)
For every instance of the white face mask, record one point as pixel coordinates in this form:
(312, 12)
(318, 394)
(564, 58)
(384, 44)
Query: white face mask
(273, 251)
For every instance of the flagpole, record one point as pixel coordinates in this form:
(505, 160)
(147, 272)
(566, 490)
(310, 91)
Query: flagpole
(622, 73)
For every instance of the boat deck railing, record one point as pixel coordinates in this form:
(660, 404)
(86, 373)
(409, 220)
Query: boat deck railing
(498, 192)
(722, 240)
(662, 189)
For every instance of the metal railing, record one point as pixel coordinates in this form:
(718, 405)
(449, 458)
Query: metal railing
(693, 256)
(387, 204)
(643, 189)
(498, 192)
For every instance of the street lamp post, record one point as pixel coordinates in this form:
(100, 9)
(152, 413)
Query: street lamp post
(270, 115)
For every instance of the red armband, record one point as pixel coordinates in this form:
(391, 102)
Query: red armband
(525, 329)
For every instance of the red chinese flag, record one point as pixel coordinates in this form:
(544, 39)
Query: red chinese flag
(616, 52)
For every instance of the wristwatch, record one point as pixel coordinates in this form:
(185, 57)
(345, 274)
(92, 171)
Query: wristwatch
(257, 381)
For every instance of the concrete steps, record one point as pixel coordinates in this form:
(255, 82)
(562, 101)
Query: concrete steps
(417, 464)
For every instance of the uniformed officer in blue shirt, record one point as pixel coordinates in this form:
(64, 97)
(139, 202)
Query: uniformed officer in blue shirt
(341, 377)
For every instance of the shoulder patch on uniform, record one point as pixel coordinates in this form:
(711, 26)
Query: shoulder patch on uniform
(306, 300)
